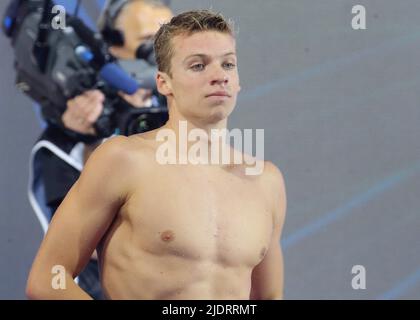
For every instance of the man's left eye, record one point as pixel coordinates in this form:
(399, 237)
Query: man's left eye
(229, 65)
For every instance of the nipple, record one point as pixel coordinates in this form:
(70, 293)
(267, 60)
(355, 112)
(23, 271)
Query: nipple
(167, 236)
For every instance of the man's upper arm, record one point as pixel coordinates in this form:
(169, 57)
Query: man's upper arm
(268, 276)
(87, 211)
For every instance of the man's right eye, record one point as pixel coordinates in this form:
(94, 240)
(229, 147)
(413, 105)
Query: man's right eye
(198, 67)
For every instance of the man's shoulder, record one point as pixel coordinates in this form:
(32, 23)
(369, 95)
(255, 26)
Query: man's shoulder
(275, 190)
(117, 152)
(272, 178)
(116, 164)
(114, 147)
(123, 147)
(272, 171)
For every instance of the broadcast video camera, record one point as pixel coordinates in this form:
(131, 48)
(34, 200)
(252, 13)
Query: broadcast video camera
(54, 65)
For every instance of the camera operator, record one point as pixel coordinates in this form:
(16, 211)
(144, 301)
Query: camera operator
(58, 157)
(125, 25)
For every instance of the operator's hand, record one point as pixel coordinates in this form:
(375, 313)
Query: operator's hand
(83, 111)
(140, 99)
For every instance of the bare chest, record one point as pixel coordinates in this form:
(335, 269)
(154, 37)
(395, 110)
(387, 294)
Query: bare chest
(196, 215)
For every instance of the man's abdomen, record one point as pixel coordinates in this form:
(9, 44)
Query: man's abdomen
(145, 276)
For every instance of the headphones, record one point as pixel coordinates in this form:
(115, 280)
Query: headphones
(107, 19)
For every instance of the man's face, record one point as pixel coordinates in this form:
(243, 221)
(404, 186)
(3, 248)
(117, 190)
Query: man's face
(204, 81)
(140, 21)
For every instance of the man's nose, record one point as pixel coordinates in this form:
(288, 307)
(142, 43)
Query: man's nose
(220, 77)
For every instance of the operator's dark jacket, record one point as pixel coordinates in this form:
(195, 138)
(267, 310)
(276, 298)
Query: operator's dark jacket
(55, 164)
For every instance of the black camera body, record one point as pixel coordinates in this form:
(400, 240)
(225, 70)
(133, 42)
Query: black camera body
(55, 65)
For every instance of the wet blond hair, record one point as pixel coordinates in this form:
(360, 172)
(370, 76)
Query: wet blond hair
(186, 23)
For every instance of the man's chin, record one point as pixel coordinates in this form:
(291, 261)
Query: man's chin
(219, 113)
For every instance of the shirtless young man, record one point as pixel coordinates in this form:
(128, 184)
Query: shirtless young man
(175, 231)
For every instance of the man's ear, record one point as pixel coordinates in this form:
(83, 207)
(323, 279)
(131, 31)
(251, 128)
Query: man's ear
(163, 83)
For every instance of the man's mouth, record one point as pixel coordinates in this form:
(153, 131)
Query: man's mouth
(218, 94)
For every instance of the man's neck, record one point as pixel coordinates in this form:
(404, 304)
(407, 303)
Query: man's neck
(198, 134)
(176, 123)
